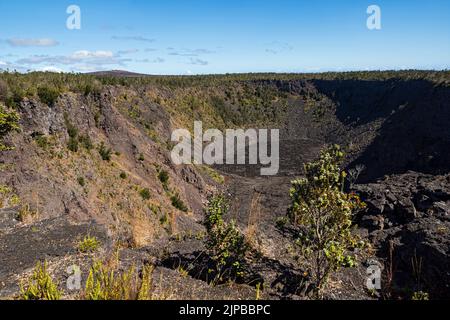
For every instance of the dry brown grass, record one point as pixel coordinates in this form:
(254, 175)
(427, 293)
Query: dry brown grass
(254, 215)
(27, 214)
(142, 229)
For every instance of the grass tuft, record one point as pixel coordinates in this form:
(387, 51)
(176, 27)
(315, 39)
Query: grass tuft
(40, 285)
(88, 244)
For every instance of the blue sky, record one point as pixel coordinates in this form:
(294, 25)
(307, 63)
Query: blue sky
(215, 36)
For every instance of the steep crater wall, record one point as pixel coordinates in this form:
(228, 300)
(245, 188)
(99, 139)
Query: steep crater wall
(390, 126)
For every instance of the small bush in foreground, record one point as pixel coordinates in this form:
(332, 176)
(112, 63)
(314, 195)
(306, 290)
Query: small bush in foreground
(40, 285)
(322, 211)
(225, 244)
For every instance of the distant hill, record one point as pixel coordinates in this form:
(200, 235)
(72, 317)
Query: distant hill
(118, 73)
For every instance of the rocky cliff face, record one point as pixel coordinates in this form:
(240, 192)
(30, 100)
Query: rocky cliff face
(91, 163)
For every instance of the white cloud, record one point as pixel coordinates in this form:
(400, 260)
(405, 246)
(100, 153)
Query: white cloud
(156, 60)
(44, 42)
(133, 38)
(276, 47)
(128, 51)
(85, 54)
(188, 52)
(88, 68)
(78, 57)
(198, 62)
(3, 63)
(51, 69)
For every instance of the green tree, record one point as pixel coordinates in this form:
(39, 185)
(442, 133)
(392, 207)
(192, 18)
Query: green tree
(322, 211)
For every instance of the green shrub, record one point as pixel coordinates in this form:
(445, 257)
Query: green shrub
(141, 157)
(178, 203)
(48, 95)
(97, 118)
(213, 174)
(9, 121)
(163, 219)
(145, 194)
(3, 90)
(224, 242)
(14, 201)
(42, 141)
(420, 295)
(281, 222)
(94, 87)
(163, 176)
(323, 214)
(5, 193)
(72, 131)
(123, 175)
(105, 283)
(40, 285)
(81, 181)
(86, 142)
(88, 244)
(104, 152)
(15, 98)
(145, 288)
(26, 213)
(72, 145)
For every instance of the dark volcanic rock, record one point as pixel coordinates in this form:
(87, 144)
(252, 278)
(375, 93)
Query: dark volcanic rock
(22, 247)
(413, 212)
